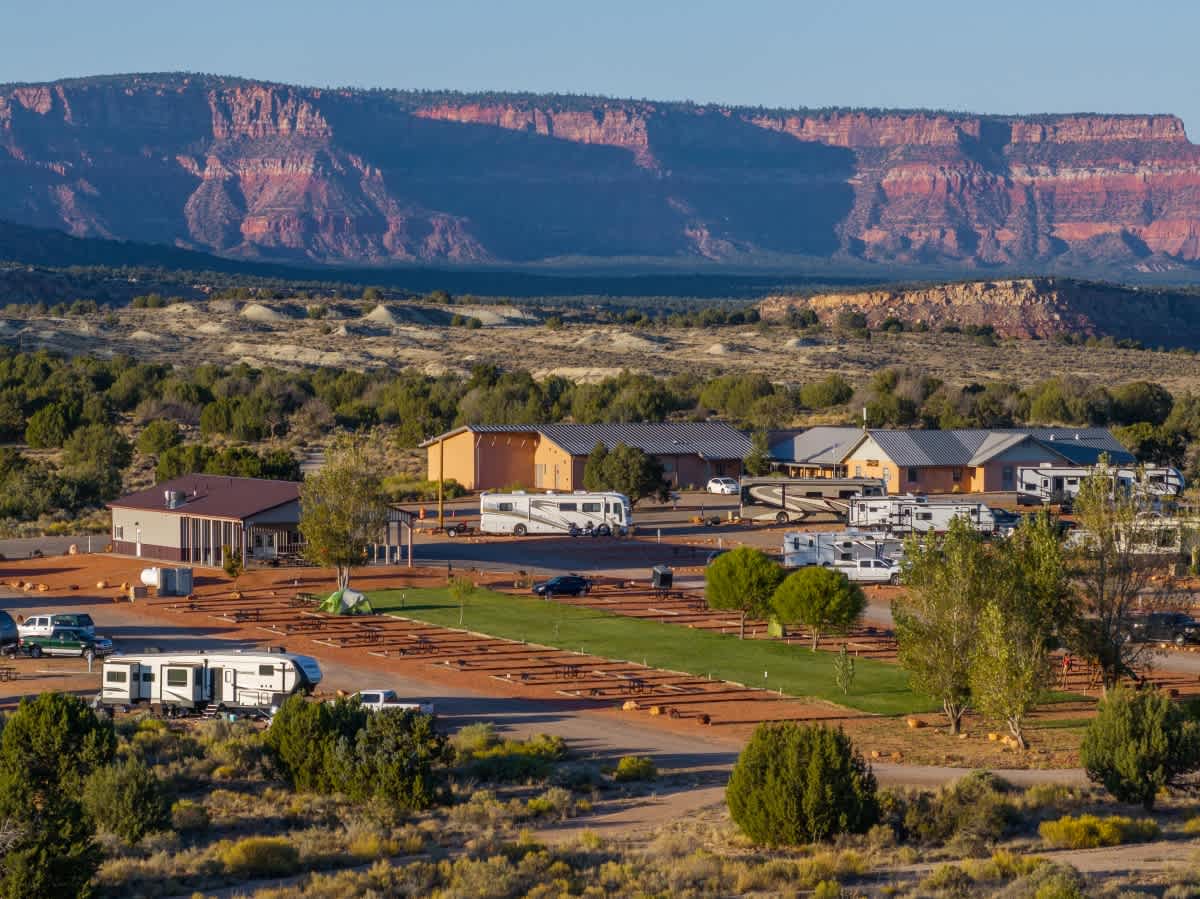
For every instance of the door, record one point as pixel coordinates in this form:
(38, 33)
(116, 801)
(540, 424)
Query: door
(1007, 481)
(218, 684)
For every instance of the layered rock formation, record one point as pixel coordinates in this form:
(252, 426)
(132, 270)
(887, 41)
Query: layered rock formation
(262, 170)
(1021, 307)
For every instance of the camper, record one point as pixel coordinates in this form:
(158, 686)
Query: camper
(180, 683)
(579, 513)
(1059, 484)
(792, 499)
(917, 515)
(801, 549)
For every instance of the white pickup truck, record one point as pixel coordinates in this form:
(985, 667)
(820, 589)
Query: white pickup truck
(869, 571)
(378, 699)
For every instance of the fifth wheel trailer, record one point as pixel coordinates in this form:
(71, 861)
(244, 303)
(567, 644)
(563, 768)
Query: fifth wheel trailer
(804, 548)
(182, 683)
(917, 515)
(791, 499)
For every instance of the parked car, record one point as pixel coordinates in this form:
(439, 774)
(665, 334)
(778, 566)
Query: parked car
(563, 585)
(869, 571)
(1165, 627)
(9, 636)
(43, 624)
(66, 641)
(376, 699)
(726, 486)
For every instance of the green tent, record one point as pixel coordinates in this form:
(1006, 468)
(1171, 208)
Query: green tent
(347, 602)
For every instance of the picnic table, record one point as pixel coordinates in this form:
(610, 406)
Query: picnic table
(7, 672)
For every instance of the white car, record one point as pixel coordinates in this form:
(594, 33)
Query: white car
(723, 485)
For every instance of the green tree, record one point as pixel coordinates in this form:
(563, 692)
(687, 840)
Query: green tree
(824, 394)
(180, 460)
(48, 427)
(394, 758)
(461, 589)
(843, 669)
(742, 580)
(820, 599)
(937, 621)
(794, 784)
(1138, 743)
(48, 749)
(232, 563)
(304, 736)
(623, 469)
(758, 460)
(343, 510)
(158, 436)
(97, 454)
(127, 799)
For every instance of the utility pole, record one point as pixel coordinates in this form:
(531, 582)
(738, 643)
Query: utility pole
(441, 481)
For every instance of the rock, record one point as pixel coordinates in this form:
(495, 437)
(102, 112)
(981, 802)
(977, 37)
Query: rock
(630, 705)
(101, 585)
(914, 723)
(73, 549)
(876, 754)
(993, 737)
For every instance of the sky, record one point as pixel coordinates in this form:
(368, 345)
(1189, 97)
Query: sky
(1015, 56)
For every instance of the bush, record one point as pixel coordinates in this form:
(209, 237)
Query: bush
(579, 776)
(127, 800)
(1139, 743)
(635, 767)
(1091, 832)
(515, 761)
(260, 857)
(794, 784)
(188, 815)
(947, 879)
(474, 738)
(158, 436)
(973, 808)
(303, 735)
(393, 758)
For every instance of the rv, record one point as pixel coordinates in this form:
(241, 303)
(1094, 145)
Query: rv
(801, 549)
(187, 683)
(791, 499)
(1058, 484)
(581, 512)
(917, 515)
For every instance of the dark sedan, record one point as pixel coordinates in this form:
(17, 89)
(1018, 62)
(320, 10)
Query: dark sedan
(563, 585)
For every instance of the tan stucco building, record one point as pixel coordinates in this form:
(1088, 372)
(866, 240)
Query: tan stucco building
(552, 457)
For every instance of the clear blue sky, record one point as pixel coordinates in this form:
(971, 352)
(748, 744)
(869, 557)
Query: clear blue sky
(1015, 56)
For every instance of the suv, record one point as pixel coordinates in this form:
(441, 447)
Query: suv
(726, 486)
(1165, 627)
(9, 638)
(563, 585)
(42, 625)
(66, 641)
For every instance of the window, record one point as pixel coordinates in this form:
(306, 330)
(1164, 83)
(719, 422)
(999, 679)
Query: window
(505, 507)
(1072, 482)
(147, 677)
(177, 677)
(858, 471)
(924, 516)
(591, 507)
(568, 507)
(118, 532)
(114, 677)
(266, 670)
(914, 475)
(956, 474)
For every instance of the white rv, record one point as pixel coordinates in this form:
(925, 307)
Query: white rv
(791, 499)
(185, 683)
(917, 514)
(581, 512)
(801, 549)
(1060, 483)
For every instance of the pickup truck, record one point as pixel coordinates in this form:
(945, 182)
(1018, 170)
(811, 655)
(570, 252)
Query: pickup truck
(869, 571)
(377, 699)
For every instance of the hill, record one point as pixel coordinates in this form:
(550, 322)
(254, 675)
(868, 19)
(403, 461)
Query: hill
(260, 171)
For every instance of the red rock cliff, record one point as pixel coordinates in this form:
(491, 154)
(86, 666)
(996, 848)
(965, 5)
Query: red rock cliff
(254, 169)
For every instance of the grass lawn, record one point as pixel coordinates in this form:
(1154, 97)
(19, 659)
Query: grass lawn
(879, 687)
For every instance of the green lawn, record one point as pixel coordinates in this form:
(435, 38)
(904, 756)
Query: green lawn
(878, 687)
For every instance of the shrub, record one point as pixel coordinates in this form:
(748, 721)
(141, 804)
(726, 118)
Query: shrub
(974, 807)
(1091, 832)
(303, 735)
(126, 799)
(555, 801)
(260, 857)
(947, 879)
(635, 767)
(1139, 743)
(393, 758)
(187, 815)
(517, 760)
(578, 776)
(1047, 881)
(474, 738)
(158, 436)
(794, 784)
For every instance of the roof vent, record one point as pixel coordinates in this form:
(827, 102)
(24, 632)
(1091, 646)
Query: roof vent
(1076, 435)
(173, 499)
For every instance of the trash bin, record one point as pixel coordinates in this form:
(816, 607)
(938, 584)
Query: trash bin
(661, 577)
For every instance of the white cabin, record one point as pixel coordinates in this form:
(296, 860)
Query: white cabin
(602, 513)
(803, 548)
(917, 514)
(1060, 483)
(179, 682)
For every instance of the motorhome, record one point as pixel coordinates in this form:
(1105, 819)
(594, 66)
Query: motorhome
(792, 499)
(581, 512)
(180, 683)
(802, 548)
(1058, 484)
(917, 515)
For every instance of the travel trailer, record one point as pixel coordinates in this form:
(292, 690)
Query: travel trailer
(1058, 484)
(917, 515)
(578, 513)
(181, 683)
(801, 549)
(791, 499)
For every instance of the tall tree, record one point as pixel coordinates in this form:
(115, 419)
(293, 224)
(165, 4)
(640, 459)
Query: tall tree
(819, 598)
(624, 469)
(758, 460)
(1113, 576)
(937, 621)
(343, 510)
(742, 580)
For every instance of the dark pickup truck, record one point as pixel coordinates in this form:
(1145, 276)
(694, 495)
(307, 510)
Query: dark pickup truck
(1165, 627)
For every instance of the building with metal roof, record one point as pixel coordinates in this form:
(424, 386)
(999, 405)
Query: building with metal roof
(552, 456)
(192, 519)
